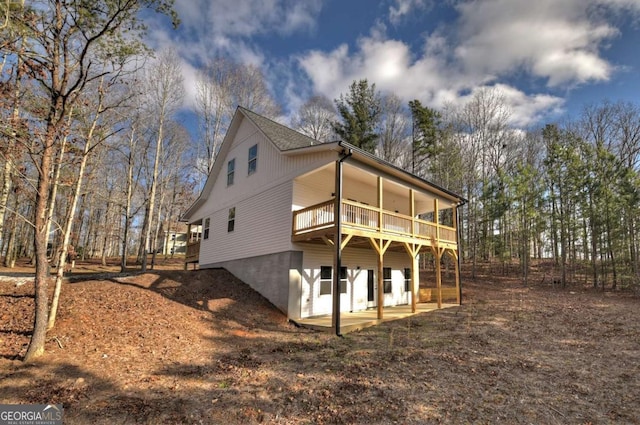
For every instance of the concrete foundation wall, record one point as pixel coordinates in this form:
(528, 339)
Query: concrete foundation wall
(275, 276)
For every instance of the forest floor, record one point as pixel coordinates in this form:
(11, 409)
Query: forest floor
(191, 347)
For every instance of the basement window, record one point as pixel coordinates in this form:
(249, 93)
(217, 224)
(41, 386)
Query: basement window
(407, 280)
(386, 280)
(326, 280)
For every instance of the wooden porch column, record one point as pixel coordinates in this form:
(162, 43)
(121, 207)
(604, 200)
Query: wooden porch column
(414, 251)
(438, 276)
(412, 209)
(380, 216)
(415, 267)
(457, 253)
(380, 249)
(436, 220)
(186, 265)
(455, 257)
(380, 303)
(415, 281)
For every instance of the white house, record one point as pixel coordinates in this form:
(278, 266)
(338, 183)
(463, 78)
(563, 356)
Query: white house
(283, 212)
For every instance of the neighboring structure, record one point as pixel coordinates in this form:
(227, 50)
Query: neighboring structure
(174, 242)
(283, 212)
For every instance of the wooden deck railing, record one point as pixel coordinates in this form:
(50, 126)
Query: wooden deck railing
(193, 252)
(366, 217)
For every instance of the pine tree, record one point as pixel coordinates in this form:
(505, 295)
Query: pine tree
(360, 111)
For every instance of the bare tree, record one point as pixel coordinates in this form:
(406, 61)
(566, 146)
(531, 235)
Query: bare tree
(222, 86)
(62, 43)
(395, 125)
(482, 133)
(315, 119)
(213, 102)
(164, 91)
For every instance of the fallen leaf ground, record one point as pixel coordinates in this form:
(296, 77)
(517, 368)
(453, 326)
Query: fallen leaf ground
(193, 347)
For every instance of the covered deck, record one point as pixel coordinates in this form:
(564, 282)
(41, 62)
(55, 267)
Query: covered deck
(356, 204)
(365, 222)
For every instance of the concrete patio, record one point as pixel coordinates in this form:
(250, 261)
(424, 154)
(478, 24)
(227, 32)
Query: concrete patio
(350, 322)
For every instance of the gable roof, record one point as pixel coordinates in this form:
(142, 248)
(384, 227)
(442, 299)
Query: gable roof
(282, 136)
(292, 142)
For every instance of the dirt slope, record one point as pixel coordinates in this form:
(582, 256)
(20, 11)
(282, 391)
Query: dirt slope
(201, 347)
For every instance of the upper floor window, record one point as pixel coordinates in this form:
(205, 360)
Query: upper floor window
(206, 228)
(253, 159)
(231, 170)
(231, 224)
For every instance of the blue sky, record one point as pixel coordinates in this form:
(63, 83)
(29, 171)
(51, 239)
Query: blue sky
(548, 57)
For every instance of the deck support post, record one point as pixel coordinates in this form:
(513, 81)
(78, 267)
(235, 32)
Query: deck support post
(380, 303)
(415, 281)
(457, 268)
(437, 251)
(456, 253)
(338, 241)
(381, 250)
(186, 264)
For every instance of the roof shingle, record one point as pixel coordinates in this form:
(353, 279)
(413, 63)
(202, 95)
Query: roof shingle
(282, 136)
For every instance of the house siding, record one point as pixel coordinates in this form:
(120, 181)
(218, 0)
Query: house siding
(262, 200)
(358, 262)
(262, 226)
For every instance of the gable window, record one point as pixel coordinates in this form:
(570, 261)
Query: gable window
(206, 228)
(386, 279)
(231, 170)
(326, 280)
(253, 159)
(231, 223)
(407, 280)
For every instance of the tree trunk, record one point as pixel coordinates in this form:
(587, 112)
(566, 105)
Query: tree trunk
(10, 256)
(152, 195)
(69, 222)
(54, 187)
(36, 345)
(129, 194)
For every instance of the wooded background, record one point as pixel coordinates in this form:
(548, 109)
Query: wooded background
(90, 129)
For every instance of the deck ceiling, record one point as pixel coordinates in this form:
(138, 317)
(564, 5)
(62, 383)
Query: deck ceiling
(362, 186)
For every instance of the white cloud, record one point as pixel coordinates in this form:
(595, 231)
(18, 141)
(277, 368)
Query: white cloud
(557, 42)
(401, 8)
(246, 18)
(524, 110)
(210, 28)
